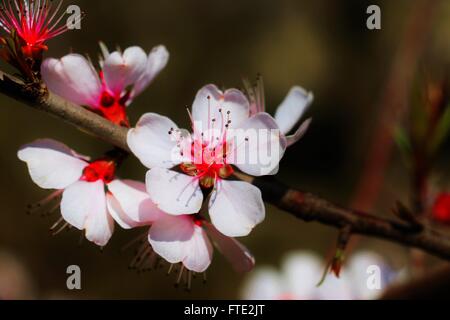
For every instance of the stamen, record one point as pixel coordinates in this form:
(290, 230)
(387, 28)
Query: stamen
(180, 274)
(189, 281)
(41, 205)
(64, 226)
(170, 269)
(35, 21)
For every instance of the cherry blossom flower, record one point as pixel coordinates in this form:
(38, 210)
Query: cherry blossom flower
(204, 159)
(288, 113)
(301, 272)
(109, 92)
(91, 197)
(441, 208)
(34, 21)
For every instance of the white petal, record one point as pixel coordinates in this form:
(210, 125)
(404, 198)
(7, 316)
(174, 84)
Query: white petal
(178, 239)
(292, 108)
(151, 142)
(99, 227)
(236, 208)
(212, 108)
(137, 208)
(122, 70)
(237, 254)
(156, 62)
(51, 164)
(73, 78)
(199, 251)
(303, 271)
(81, 200)
(259, 146)
(173, 192)
(263, 284)
(290, 140)
(117, 213)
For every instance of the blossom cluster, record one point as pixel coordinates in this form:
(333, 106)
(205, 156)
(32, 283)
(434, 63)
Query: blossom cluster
(191, 199)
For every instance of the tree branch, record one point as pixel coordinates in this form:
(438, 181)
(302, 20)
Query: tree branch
(304, 206)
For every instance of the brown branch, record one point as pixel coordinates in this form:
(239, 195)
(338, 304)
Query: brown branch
(304, 206)
(39, 98)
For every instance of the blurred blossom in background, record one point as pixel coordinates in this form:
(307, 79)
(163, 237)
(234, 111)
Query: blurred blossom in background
(321, 45)
(301, 273)
(16, 282)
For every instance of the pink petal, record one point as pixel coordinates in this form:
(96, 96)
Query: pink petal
(259, 146)
(173, 192)
(122, 70)
(133, 206)
(178, 239)
(52, 165)
(151, 142)
(73, 78)
(236, 208)
(156, 62)
(292, 139)
(81, 201)
(212, 108)
(237, 254)
(292, 108)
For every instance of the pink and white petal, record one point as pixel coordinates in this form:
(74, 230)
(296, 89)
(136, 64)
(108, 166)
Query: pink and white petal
(52, 165)
(178, 239)
(292, 108)
(236, 253)
(199, 251)
(156, 62)
(263, 284)
(303, 271)
(212, 109)
(173, 192)
(168, 237)
(73, 78)
(82, 199)
(99, 224)
(117, 213)
(122, 70)
(236, 207)
(259, 146)
(151, 142)
(136, 205)
(291, 140)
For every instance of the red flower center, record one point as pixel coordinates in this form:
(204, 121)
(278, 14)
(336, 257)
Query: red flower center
(114, 109)
(34, 22)
(99, 170)
(208, 165)
(441, 208)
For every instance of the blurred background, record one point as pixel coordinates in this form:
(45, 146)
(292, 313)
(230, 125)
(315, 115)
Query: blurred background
(321, 45)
